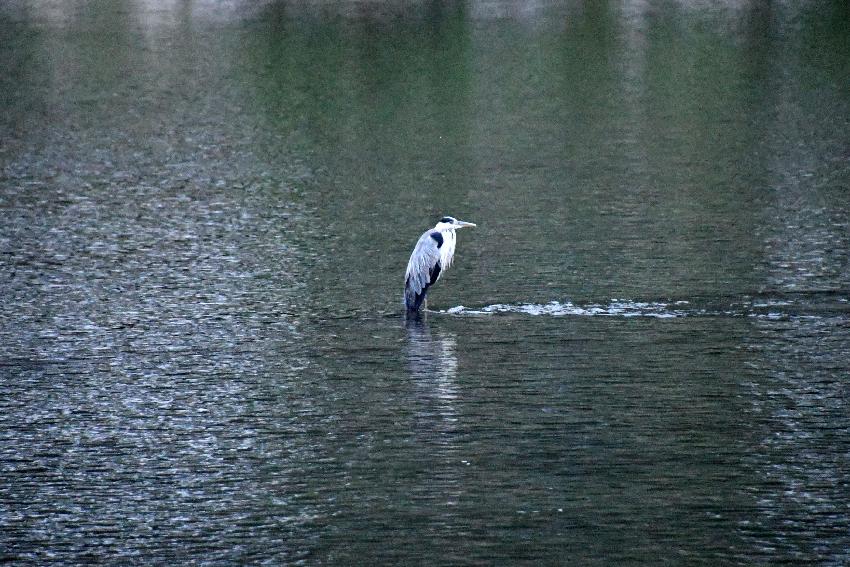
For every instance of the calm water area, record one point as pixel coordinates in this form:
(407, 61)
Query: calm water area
(640, 356)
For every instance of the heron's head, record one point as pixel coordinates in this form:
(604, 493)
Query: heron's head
(451, 223)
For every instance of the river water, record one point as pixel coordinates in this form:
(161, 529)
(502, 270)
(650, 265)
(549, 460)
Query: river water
(641, 354)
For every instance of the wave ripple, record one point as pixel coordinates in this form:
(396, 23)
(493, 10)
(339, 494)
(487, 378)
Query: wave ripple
(807, 305)
(616, 308)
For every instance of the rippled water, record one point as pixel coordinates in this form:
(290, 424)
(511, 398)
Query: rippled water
(640, 355)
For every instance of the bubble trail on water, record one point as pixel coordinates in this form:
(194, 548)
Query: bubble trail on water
(761, 308)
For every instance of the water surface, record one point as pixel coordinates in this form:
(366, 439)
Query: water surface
(640, 355)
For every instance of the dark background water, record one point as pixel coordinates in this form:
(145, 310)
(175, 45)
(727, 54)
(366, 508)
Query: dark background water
(642, 356)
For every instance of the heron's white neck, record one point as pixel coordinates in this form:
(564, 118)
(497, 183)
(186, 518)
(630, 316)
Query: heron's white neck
(447, 250)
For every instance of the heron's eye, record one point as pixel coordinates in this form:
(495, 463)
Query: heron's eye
(447, 220)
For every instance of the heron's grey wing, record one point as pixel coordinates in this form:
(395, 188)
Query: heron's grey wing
(421, 265)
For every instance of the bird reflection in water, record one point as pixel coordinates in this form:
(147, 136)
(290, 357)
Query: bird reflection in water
(432, 361)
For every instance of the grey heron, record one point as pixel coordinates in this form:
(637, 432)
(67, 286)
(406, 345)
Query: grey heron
(432, 256)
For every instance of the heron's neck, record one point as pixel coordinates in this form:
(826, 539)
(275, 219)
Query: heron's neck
(447, 250)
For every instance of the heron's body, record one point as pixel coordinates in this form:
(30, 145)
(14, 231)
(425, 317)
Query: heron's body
(433, 255)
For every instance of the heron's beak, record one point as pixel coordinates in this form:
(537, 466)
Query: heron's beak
(464, 224)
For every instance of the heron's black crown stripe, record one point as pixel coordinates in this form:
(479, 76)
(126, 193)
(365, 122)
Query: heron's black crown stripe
(447, 219)
(438, 237)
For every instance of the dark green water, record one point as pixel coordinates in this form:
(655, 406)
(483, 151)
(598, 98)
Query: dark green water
(640, 356)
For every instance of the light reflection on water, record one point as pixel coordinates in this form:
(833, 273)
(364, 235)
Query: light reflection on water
(798, 453)
(639, 356)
